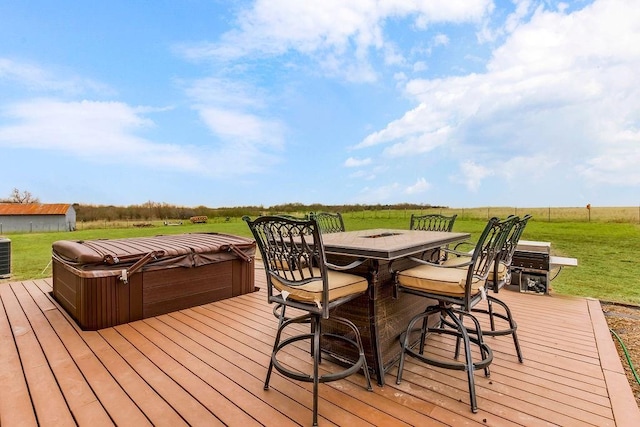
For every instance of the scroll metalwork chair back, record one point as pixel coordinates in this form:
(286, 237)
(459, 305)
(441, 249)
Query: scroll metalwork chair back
(498, 278)
(432, 222)
(299, 276)
(329, 222)
(501, 275)
(456, 288)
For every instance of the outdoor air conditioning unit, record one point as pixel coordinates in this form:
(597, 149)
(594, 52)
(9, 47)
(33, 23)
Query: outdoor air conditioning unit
(5, 258)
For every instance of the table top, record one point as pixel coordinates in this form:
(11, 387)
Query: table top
(387, 244)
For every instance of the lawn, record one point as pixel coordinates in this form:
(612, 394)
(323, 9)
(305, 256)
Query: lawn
(607, 252)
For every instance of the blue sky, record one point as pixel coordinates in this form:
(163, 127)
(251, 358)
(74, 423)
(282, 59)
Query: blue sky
(463, 103)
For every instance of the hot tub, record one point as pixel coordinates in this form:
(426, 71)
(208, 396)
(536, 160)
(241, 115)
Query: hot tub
(103, 283)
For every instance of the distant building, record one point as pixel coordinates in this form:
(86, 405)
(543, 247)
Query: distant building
(36, 217)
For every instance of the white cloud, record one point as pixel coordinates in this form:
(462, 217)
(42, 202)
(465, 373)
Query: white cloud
(242, 127)
(225, 92)
(38, 79)
(420, 66)
(523, 9)
(617, 163)
(108, 133)
(564, 85)
(471, 175)
(336, 34)
(102, 131)
(236, 112)
(420, 186)
(379, 194)
(352, 162)
(412, 130)
(364, 175)
(441, 40)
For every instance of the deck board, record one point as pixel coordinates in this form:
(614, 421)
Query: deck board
(16, 410)
(206, 366)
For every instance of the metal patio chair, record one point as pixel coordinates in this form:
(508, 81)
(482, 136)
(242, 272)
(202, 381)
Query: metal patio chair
(299, 276)
(457, 289)
(329, 222)
(498, 278)
(432, 222)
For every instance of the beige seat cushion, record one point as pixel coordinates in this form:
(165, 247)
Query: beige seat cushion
(502, 268)
(340, 285)
(439, 280)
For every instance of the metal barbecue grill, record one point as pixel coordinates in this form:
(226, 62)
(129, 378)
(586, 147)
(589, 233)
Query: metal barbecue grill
(532, 264)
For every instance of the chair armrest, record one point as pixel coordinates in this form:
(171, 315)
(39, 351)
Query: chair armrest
(349, 266)
(433, 264)
(458, 248)
(457, 252)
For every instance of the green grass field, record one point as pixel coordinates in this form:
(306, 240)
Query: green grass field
(607, 252)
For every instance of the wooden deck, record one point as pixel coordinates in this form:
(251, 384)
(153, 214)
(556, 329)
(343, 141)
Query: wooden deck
(206, 366)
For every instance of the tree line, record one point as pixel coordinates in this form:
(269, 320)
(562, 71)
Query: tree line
(153, 211)
(150, 211)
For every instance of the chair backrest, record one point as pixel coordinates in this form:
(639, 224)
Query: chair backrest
(329, 222)
(511, 243)
(292, 253)
(487, 249)
(505, 256)
(432, 222)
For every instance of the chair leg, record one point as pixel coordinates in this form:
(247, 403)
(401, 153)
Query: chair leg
(361, 354)
(478, 332)
(278, 312)
(513, 326)
(315, 326)
(275, 348)
(452, 324)
(506, 316)
(405, 336)
(490, 309)
(457, 351)
(469, 367)
(423, 333)
(315, 338)
(404, 344)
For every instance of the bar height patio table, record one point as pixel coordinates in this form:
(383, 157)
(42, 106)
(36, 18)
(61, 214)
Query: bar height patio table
(379, 317)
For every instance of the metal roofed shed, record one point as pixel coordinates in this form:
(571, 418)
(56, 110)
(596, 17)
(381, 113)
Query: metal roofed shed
(36, 217)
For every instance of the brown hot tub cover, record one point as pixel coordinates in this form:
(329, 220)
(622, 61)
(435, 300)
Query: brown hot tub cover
(102, 283)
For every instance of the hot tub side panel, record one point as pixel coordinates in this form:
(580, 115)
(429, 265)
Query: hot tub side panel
(243, 279)
(96, 302)
(175, 289)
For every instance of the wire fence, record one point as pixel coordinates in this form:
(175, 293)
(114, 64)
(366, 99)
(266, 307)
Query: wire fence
(628, 215)
(585, 214)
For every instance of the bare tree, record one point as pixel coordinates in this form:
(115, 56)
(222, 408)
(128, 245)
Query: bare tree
(22, 197)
